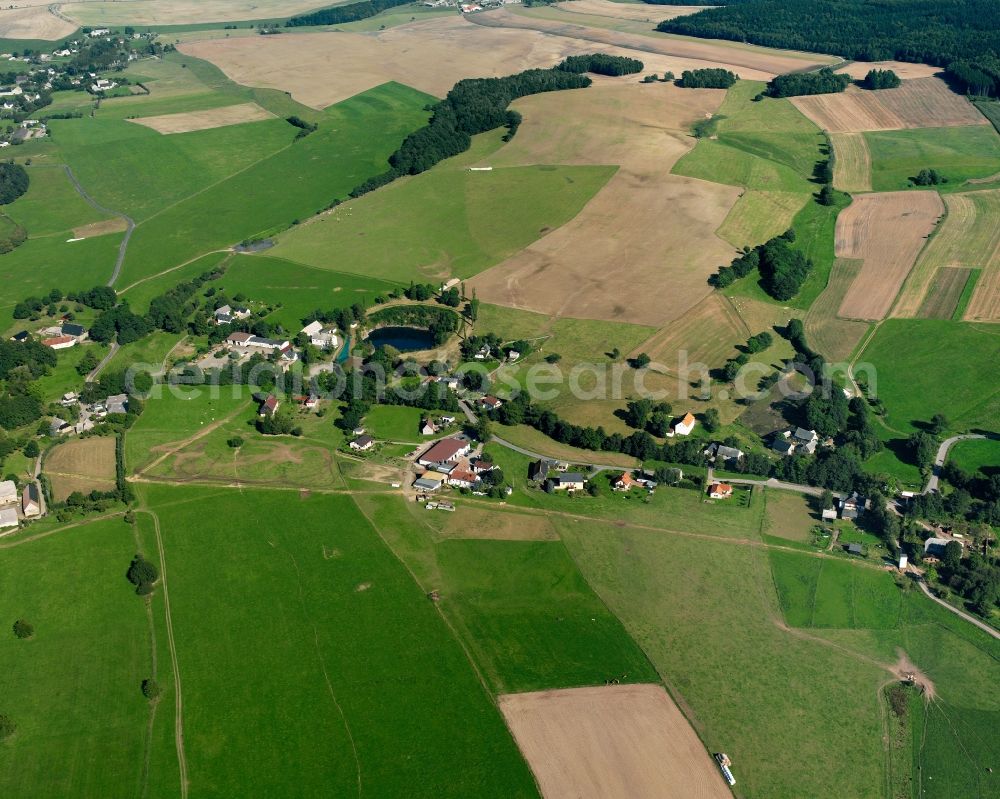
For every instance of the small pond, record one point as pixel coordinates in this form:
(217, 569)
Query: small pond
(404, 339)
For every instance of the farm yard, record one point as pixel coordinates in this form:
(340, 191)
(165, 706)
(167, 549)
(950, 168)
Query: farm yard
(918, 103)
(82, 464)
(612, 741)
(885, 231)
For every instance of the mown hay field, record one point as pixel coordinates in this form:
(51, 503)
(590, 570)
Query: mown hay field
(945, 293)
(429, 55)
(81, 464)
(919, 103)
(645, 232)
(181, 12)
(967, 238)
(36, 22)
(887, 231)
(189, 121)
(828, 334)
(852, 164)
(615, 740)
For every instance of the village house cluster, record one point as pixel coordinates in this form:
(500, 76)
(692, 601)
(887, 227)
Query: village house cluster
(452, 462)
(16, 506)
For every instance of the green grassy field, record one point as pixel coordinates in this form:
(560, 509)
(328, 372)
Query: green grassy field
(928, 366)
(373, 686)
(293, 182)
(975, 455)
(762, 692)
(767, 146)
(529, 618)
(760, 215)
(446, 222)
(299, 288)
(174, 418)
(958, 153)
(818, 592)
(73, 689)
(52, 205)
(395, 423)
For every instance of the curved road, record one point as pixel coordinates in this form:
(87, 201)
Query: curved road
(942, 456)
(129, 221)
(969, 618)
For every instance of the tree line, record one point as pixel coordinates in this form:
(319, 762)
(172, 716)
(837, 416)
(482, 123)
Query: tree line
(601, 64)
(473, 106)
(961, 35)
(346, 13)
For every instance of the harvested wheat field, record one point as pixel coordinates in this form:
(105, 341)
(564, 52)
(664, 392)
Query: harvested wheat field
(612, 742)
(634, 11)
(33, 23)
(749, 61)
(320, 69)
(181, 12)
(827, 333)
(852, 163)
(905, 70)
(190, 121)
(887, 231)
(706, 334)
(968, 237)
(945, 293)
(81, 464)
(641, 250)
(985, 303)
(919, 103)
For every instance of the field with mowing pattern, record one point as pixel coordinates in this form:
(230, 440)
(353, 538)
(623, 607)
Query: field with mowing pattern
(661, 225)
(966, 238)
(81, 464)
(204, 120)
(887, 231)
(817, 592)
(761, 215)
(918, 103)
(945, 293)
(827, 333)
(181, 12)
(852, 165)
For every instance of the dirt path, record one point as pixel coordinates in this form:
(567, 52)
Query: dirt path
(178, 694)
(177, 446)
(129, 222)
(96, 371)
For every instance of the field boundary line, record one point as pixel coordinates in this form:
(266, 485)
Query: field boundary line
(916, 261)
(155, 703)
(47, 533)
(178, 696)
